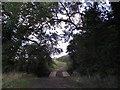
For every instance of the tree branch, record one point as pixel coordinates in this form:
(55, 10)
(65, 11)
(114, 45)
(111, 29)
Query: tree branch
(27, 39)
(69, 21)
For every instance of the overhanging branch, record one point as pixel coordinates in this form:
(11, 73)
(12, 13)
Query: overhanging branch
(69, 21)
(27, 39)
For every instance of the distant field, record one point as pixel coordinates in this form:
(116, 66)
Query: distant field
(60, 64)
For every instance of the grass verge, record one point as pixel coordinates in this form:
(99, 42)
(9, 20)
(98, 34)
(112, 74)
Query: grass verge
(16, 80)
(95, 82)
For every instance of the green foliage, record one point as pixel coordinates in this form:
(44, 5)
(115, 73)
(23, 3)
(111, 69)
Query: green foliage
(21, 53)
(34, 59)
(17, 80)
(63, 62)
(60, 65)
(63, 58)
(95, 49)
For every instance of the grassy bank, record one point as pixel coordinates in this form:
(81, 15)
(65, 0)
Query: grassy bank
(16, 80)
(94, 82)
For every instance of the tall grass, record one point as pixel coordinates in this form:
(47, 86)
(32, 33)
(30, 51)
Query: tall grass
(96, 81)
(16, 79)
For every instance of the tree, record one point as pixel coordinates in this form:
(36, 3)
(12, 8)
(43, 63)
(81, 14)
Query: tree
(95, 50)
(21, 22)
(38, 19)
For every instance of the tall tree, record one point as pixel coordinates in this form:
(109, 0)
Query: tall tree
(19, 24)
(95, 49)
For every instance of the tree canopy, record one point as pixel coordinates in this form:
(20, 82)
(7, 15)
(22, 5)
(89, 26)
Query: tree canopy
(18, 24)
(96, 49)
(30, 37)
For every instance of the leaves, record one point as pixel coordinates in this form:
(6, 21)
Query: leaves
(20, 20)
(94, 51)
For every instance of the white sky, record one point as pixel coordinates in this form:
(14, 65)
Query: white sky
(64, 47)
(61, 44)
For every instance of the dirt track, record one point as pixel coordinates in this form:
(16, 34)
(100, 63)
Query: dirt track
(52, 82)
